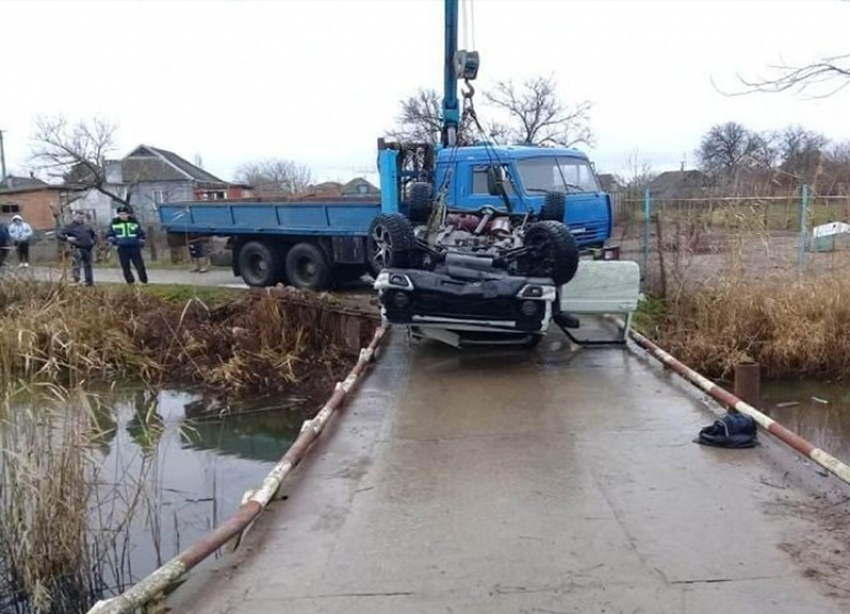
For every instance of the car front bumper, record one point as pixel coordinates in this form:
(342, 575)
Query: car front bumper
(515, 306)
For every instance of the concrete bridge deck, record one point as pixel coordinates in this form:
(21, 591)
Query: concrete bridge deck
(533, 482)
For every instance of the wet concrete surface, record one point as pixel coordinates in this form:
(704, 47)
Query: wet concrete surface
(552, 481)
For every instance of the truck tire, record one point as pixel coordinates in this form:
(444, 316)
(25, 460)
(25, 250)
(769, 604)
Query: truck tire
(258, 264)
(391, 242)
(307, 267)
(554, 207)
(553, 251)
(419, 203)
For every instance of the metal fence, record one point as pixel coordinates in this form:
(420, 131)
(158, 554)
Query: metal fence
(681, 242)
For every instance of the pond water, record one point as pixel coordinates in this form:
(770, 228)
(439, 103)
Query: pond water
(819, 411)
(187, 474)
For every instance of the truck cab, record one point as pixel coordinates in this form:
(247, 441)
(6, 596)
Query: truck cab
(531, 172)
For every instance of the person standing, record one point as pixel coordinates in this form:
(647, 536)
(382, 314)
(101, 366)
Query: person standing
(4, 238)
(82, 238)
(21, 232)
(127, 235)
(197, 251)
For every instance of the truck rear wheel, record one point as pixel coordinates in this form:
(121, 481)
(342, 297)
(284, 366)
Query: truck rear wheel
(258, 264)
(307, 267)
(391, 242)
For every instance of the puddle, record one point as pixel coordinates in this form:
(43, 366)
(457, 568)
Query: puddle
(193, 473)
(821, 415)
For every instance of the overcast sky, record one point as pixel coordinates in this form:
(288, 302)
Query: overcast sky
(318, 82)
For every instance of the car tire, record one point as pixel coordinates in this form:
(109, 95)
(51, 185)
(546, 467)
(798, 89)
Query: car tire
(553, 251)
(554, 207)
(258, 264)
(307, 267)
(390, 243)
(419, 202)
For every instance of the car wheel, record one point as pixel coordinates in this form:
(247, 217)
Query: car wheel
(553, 252)
(390, 243)
(419, 203)
(554, 207)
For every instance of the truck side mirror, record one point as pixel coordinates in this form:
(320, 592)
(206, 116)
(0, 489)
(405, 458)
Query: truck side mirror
(496, 180)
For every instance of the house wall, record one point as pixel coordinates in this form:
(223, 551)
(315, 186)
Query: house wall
(98, 206)
(35, 206)
(146, 195)
(237, 191)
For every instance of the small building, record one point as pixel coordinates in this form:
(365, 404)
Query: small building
(359, 187)
(38, 202)
(356, 188)
(609, 183)
(149, 176)
(671, 185)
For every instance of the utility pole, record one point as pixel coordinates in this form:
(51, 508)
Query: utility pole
(2, 158)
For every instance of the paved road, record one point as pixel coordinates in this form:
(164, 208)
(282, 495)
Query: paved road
(217, 276)
(533, 482)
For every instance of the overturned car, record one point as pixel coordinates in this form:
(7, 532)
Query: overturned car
(462, 277)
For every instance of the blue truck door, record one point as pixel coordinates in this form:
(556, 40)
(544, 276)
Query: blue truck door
(472, 185)
(589, 217)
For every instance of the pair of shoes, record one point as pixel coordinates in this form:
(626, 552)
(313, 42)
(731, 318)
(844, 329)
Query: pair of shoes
(205, 270)
(26, 264)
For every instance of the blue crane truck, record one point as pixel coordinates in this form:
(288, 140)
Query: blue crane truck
(319, 243)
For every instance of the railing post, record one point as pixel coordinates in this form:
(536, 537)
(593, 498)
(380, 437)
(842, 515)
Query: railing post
(804, 207)
(647, 211)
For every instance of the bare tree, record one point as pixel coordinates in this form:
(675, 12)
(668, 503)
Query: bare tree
(76, 153)
(728, 148)
(275, 177)
(421, 118)
(536, 115)
(801, 152)
(821, 78)
(637, 176)
(837, 168)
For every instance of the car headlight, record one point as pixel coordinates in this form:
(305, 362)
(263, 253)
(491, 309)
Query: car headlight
(402, 281)
(400, 300)
(528, 308)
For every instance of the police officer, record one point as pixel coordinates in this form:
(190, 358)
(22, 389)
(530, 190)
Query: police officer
(127, 235)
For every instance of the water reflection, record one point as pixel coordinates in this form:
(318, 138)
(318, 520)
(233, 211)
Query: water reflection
(800, 406)
(165, 479)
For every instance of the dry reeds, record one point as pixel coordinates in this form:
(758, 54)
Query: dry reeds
(263, 342)
(45, 494)
(794, 329)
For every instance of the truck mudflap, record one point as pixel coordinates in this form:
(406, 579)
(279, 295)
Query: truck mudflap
(498, 308)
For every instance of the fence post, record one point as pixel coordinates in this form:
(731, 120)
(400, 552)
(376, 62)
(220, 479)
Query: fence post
(647, 210)
(804, 207)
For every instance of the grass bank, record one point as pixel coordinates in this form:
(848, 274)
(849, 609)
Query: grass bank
(229, 343)
(794, 329)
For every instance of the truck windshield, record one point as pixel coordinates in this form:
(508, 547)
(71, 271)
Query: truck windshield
(557, 174)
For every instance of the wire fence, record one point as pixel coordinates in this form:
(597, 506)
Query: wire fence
(690, 241)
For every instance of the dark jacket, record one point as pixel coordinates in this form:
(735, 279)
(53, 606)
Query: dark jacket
(126, 234)
(78, 234)
(4, 234)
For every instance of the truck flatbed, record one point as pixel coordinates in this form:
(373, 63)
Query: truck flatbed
(315, 217)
